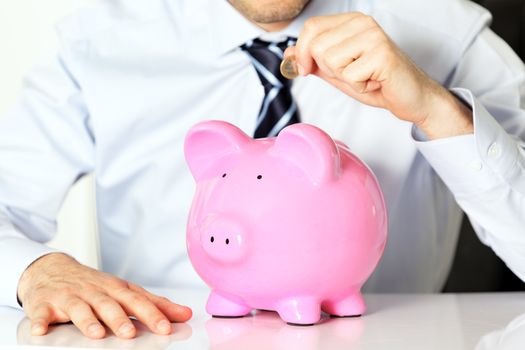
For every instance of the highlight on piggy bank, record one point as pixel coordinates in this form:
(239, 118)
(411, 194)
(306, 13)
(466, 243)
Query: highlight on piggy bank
(295, 224)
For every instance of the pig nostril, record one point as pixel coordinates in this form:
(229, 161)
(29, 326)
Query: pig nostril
(259, 177)
(227, 241)
(224, 175)
(212, 239)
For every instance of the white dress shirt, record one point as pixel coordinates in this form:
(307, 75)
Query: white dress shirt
(132, 76)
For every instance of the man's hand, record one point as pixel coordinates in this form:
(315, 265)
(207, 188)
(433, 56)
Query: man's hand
(57, 289)
(353, 53)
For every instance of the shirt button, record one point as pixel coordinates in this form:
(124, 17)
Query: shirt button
(494, 150)
(476, 165)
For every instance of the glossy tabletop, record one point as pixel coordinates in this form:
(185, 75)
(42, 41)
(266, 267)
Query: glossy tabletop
(407, 321)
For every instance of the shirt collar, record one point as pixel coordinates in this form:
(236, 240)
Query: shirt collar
(230, 29)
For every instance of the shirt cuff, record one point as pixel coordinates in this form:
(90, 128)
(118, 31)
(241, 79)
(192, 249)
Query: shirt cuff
(17, 254)
(475, 163)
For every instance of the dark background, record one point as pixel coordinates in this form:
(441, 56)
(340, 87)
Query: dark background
(476, 268)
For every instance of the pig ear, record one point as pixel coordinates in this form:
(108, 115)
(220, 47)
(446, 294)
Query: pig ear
(209, 141)
(311, 149)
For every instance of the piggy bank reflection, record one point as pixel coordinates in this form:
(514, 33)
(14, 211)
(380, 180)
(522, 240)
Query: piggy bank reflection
(294, 224)
(264, 331)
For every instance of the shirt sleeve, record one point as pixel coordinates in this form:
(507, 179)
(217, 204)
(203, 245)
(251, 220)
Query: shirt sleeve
(45, 146)
(486, 171)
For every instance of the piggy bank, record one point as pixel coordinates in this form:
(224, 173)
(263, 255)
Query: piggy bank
(294, 224)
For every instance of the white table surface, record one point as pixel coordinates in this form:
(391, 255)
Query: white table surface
(393, 321)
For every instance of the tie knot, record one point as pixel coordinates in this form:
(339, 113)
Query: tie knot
(266, 58)
(258, 44)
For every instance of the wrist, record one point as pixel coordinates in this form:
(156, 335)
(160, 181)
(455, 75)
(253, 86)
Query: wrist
(447, 116)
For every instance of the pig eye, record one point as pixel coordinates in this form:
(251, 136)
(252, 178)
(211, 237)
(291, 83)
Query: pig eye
(224, 175)
(259, 177)
(227, 241)
(212, 239)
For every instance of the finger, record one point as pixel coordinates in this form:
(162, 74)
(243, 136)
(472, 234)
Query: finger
(41, 316)
(369, 99)
(113, 315)
(144, 310)
(83, 317)
(362, 75)
(338, 57)
(174, 312)
(290, 51)
(343, 33)
(313, 27)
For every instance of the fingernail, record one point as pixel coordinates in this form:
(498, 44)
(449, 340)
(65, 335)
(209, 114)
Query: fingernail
(94, 328)
(125, 329)
(164, 327)
(37, 329)
(300, 69)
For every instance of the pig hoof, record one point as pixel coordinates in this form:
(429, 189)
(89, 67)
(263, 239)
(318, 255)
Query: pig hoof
(219, 316)
(226, 306)
(345, 316)
(300, 311)
(300, 324)
(351, 306)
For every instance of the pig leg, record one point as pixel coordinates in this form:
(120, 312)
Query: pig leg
(300, 311)
(221, 305)
(351, 306)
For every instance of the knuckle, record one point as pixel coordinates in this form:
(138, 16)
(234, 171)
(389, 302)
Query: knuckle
(97, 296)
(316, 48)
(368, 20)
(66, 291)
(136, 287)
(92, 284)
(331, 60)
(115, 283)
(73, 304)
(348, 75)
(154, 312)
(104, 304)
(137, 298)
(376, 34)
(146, 310)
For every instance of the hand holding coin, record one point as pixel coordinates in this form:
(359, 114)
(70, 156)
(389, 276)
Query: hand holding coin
(353, 53)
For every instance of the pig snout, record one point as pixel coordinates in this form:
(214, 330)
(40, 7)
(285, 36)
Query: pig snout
(224, 240)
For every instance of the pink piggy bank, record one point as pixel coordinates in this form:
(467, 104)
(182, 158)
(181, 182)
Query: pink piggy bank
(294, 224)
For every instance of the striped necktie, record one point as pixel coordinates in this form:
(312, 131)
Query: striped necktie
(278, 109)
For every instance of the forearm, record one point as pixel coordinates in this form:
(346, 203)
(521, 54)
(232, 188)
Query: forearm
(485, 172)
